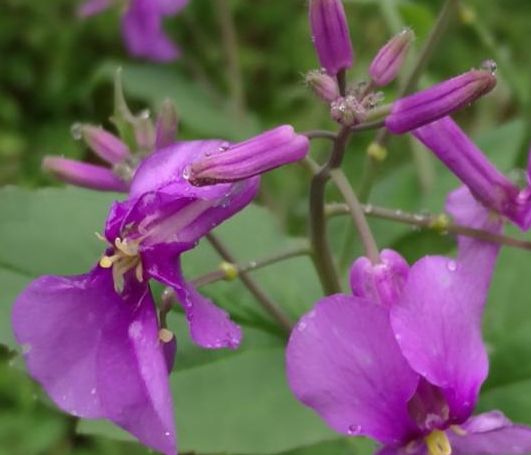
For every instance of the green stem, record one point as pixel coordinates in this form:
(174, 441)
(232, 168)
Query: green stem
(358, 216)
(437, 222)
(256, 290)
(321, 254)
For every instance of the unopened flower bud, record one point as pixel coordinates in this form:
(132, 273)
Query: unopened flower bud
(166, 126)
(83, 174)
(438, 101)
(382, 282)
(330, 35)
(348, 111)
(104, 144)
(323, 85)
(254, 156)
(387, 63)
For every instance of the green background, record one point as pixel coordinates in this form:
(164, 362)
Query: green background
(56, 70)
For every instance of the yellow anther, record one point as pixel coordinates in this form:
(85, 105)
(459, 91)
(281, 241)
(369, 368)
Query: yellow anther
(107, 261)
(438, 443)
(377, 151)
(458, 430)
(165, 335)
(440, 222)
(230, 271)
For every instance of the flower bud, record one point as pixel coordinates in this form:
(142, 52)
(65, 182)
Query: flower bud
(104, 144)
(382, 282)
(387, 63)
(330, 35)
(255, 156)
(323, 85)
(348, 111)
(166, 126)
(82, 174)
(438, 101)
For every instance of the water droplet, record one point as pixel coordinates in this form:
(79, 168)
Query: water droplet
(76, 130)
(301, 326)
(253, 264)
(224, 147)
(26, 348)
(452, 266)
(167, 434)
(93, 391)
(368, 208)
(489, 65)
(354, 429)
(144, 115)
(186, 173)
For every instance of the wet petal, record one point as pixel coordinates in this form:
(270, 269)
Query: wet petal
(491, 434)
(343, 361)
(210, 326)
(76, 336)
(437, 324)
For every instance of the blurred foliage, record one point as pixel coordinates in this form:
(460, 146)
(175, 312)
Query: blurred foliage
(56, 70)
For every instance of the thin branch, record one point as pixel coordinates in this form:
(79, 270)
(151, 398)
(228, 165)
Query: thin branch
(269, 305)
(437, 222)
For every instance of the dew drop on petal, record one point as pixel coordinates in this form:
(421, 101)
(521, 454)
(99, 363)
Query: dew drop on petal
(93, 391)
(26, 348)
(186, 173)
(452, 266)
(301, 326)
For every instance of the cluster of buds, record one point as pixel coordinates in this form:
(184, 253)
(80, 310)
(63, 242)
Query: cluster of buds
(140, 136)
(352, 106)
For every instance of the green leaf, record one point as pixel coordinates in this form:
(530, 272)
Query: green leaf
(238, 405)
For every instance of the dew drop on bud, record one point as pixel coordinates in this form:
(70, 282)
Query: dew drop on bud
(489, 65)
(76, 130)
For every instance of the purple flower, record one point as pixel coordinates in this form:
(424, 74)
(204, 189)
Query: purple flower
(402, 360)
(438, 101)
(387, 63)
(452, 146)
(142, 26)
(93, 341)
(330, 35)
(254, 156)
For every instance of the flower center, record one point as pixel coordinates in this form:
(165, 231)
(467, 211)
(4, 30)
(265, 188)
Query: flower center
(125, 257)
(438, 443)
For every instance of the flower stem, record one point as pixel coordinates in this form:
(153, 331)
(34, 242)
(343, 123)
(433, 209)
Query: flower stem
(250, 283)
(321, 255)
(249, 266)
(429, 222)
(230, 48)
(358, 215)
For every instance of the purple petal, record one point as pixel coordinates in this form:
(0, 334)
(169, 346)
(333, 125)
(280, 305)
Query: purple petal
(91, 7)
(170, 7)
(210, 326)
(97, 353)
(343, 361)
(143, 34)
(491, 434)
(437, 324)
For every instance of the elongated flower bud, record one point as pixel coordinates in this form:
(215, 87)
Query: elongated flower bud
(323, 85)
(83, 174)
(330, 35)
(453, 147)
(438, 101)
(381, 282)
(255, 156)
(106, 145)
(166, 126)
(387, 63)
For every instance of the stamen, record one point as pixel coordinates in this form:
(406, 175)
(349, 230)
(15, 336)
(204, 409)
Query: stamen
(165, 335)
(139, 272)
(458, 430)
(438, 443)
